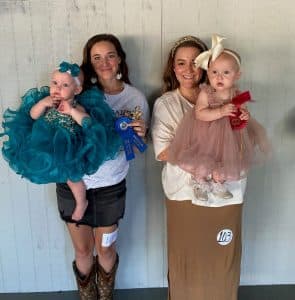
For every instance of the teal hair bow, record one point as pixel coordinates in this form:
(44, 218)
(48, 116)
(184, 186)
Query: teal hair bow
(72, 69)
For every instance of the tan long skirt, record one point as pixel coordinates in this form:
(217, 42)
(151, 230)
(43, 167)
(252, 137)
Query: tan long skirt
(204, 251)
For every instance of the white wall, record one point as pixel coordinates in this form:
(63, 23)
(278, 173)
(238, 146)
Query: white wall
(35, 35)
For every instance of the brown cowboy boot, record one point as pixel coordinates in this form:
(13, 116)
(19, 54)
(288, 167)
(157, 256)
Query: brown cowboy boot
(86, 284)
(106, 281)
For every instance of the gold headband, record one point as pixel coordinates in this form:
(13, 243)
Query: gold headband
(217, 48)
(188, 38)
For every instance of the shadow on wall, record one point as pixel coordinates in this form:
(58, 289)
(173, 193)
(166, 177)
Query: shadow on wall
(153, 97)
(288, 128)
(284, 135)
(145, 75)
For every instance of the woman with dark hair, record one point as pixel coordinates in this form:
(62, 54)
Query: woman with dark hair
(88, 68)
(170, 77)
(105, 68)
(203, 237)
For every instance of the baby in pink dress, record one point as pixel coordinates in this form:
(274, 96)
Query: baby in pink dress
(205, 144)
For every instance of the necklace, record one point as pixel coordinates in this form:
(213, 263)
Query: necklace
(115, 90)
(192, 96)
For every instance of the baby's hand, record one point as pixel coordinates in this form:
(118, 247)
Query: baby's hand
(65, 107)
(228, 110)
(245, 115)
(50, 101)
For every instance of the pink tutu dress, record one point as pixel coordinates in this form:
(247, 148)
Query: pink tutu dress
(201, 147)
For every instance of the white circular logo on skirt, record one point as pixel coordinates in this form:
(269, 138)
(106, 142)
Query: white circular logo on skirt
(224, 237)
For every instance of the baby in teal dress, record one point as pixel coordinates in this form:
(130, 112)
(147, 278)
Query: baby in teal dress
(58, 135)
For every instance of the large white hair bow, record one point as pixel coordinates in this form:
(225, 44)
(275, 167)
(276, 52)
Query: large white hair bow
(202, 60)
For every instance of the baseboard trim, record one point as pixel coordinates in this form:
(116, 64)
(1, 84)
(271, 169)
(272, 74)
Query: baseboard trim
(257, 292)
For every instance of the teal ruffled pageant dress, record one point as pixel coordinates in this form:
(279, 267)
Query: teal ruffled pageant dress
(54, 148)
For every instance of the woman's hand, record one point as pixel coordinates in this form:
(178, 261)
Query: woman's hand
(163, 156)
(139, 127)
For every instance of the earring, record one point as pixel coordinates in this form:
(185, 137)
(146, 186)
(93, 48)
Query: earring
(119, 75)
(93, 80)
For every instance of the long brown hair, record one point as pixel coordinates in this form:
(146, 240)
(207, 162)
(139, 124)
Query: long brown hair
(90, 77)
(169, 78)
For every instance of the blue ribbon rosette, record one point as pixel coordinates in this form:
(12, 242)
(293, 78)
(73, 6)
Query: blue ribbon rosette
(129, 136)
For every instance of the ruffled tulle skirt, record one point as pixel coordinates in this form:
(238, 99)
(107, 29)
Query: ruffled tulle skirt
(202, 148)
(47, 150)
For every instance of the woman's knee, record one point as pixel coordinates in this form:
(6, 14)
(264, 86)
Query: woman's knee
(105, 241)
(82, 240)
(83, 251)
(105, 251)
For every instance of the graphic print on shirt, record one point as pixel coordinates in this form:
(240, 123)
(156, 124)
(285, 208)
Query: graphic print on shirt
(134, 114)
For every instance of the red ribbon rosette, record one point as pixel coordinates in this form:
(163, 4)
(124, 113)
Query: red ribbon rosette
(235, 121)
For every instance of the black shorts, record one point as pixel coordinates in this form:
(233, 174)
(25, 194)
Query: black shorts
(106, 205)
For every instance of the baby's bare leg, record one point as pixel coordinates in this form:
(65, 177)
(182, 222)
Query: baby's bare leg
(218, 176)
(218, 185)
(79, 191)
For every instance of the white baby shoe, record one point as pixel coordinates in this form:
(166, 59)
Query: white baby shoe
(201, 190)
(219, 190)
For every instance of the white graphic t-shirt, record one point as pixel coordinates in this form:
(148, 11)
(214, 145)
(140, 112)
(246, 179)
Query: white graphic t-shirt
(113, 171)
